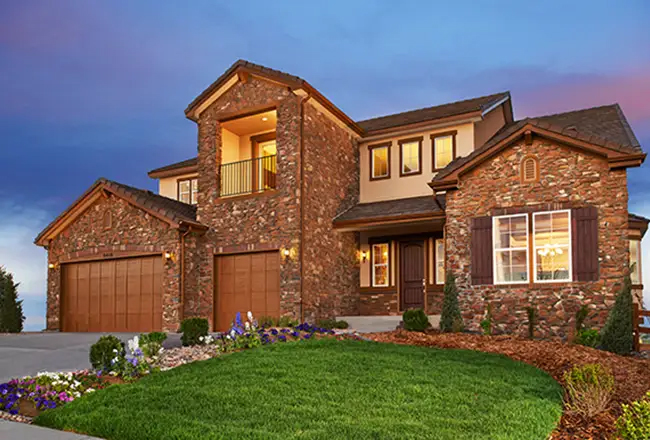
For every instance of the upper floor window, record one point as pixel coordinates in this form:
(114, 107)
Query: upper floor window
(380, 265)
(635, 261)
(552, 246)
(379, 161)
(444, 149)
(410, 156)
(188, 191)
(510, 249)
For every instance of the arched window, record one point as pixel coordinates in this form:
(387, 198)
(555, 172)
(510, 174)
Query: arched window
(107, 220)
(529, 169)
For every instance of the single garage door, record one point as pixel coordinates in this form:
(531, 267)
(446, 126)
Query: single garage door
(246, 282)
(122, 295)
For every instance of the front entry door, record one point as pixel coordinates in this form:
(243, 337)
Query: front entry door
(412, 274)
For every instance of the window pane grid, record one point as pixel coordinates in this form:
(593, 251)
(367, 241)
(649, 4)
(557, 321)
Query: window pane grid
(410, 157)
(552, 246)
(440, 261)
(443, 151)
(380, 265)
(380, 162)
(510, 249)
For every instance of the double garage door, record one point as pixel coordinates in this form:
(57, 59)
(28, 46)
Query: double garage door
(246, 282)
(122, 295)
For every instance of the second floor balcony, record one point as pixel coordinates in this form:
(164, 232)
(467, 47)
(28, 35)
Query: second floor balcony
(248, 154)
(248, 176)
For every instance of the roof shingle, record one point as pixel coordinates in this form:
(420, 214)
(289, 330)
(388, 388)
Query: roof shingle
(430, 113)
(385, 210)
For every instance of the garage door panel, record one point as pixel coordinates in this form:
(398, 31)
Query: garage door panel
(246, 282)
(123, 295)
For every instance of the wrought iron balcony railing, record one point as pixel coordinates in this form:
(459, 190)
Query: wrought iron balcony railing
(248, 176)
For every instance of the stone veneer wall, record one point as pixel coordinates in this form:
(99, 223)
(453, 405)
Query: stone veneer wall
(569, 177)
(331, 186)
(132, 230)
(377, 304)
(269, 220)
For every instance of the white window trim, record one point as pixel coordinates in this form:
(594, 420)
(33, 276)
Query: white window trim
(534, 268)
(435, 150)
(372, 159)
(495, 250)
(418, 161)
(372, 255)
(638, 267)
(435, 266)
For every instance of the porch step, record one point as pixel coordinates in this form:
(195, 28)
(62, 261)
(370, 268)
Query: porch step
(371, 324)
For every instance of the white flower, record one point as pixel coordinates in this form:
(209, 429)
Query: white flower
(250, 316)
(134, 344)
(90, 390)
(115, 350)
(247, 325)
(201, 338)
(233, 333)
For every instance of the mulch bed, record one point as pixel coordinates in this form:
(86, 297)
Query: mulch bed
(632, 375)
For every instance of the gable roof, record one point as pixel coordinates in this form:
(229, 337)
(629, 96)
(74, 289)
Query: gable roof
(292, 81)
(182, 167)
(603, 127)
(171, 211)
(474, 105)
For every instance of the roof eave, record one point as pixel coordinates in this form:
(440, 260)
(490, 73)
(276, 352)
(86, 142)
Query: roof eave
(155, 174)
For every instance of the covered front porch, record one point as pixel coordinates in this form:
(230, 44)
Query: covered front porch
(401, 255)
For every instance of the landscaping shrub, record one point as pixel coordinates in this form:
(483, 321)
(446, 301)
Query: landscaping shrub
(450, 319)
(589, 389)
(151, 343)
(617, 335)
(104, 351)
(268, 321)
(588, 337)
(332, 323)
(192, 329)
(11, 309)
(486, 324)
(287, 321)
(532, 321)
(634, 423)
(415, 320)
(581, 316)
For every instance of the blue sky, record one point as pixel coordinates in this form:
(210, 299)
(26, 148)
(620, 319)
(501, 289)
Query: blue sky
(95, 88)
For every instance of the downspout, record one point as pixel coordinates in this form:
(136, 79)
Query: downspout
(182, 269)
(302, 203)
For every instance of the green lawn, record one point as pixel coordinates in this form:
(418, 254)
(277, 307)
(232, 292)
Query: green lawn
(326, 390)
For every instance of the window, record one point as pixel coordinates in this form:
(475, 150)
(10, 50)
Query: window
(379, 161)
(529, 170)
(444, 149)
(635, 261)
(510, 236)
(380, 265)
(188, 191)
(410, 156)
(552, 246)
(440, 261)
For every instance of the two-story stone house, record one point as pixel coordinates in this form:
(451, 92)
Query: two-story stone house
(292, 208)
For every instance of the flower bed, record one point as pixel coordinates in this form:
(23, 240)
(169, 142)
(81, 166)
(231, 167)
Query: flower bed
(30, 395)
(630, 374)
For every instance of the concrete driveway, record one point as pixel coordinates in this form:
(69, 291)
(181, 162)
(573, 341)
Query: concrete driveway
(30, 353)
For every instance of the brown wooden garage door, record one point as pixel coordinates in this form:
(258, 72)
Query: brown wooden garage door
(246, 282)
(123, 295)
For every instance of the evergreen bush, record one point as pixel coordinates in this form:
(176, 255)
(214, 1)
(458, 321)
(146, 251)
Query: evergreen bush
(451, 320)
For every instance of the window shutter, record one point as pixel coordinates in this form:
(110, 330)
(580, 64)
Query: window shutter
(482, 250)
(584, 242)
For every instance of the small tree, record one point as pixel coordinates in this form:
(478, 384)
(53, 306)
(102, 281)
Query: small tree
(451, 319)
(11, 309)
(618, 334)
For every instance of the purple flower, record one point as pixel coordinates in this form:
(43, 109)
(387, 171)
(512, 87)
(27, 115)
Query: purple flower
(274, 332)
(307, 336)
(295, 334)
(282, 338)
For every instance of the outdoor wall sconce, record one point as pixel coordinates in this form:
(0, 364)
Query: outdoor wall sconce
(364, 256)
(169, 256)
(52, 266)
(287, 253)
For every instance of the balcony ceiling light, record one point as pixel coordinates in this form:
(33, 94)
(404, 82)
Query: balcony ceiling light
(265, 119)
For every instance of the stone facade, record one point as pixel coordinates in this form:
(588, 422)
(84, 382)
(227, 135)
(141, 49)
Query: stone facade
(568, 178)
(132, 231)
(434, 301)
(331, 186)
(378, 304)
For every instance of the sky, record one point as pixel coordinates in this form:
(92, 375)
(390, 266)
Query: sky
(95, 88)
